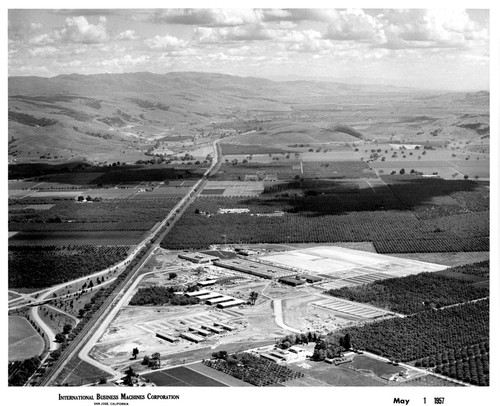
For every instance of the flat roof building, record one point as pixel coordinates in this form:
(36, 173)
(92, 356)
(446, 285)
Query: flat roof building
(313, 279)
(216, 330)
(225, 326)
(200, 331)
(231, 303)
(192, 337)
(198, 257)
(197, 293)
(292, 281)
(255, 268)
(207, 282)
(219, 300)
(167, 337)
(211, 295)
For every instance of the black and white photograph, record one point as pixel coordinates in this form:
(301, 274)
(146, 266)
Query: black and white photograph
(239, 202)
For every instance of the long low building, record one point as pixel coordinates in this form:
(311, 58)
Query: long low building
(224, 326)
(255, 268)
(167, 337)
(207, 282)
(198, 258)
(197, 293)
(200, 331)
(214, 329)
(211, 295)
(231, 303)
(192, 337)
(219, 300)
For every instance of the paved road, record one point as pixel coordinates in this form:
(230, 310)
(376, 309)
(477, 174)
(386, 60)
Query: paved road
(93, 333)
(278, 317)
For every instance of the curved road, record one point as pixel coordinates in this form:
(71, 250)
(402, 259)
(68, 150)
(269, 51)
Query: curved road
(278, 317)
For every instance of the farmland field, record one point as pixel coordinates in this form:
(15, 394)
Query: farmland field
(181, 376)
(398, 214)
(28, 264)
(24, 341)
(62, 238)
(414, 293)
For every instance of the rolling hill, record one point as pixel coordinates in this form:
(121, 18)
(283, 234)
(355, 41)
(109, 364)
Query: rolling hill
(120, 116)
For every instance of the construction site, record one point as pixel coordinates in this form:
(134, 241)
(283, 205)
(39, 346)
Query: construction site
(253, 299)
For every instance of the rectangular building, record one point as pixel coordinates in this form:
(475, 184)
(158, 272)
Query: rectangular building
(219, 300)
(192, 337)
(225, 326)
(200, 331)
(197, 293)
(292, 281)
(313, 279)
(167, 337)
(216, 330)
(207, 282)
(198, 257)
(231, 303)
(211, 295)
(255, 268)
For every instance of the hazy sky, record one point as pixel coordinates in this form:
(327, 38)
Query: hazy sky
(429, 48)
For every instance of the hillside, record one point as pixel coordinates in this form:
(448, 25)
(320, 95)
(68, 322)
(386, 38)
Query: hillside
(111, 117)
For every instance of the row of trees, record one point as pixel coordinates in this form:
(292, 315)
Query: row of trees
(412, 293)
(160, 295)
(28, 265)
(21, 371)
(95, 304)
(117, 211)
(252, 369)
(391, 231)
(426, 333)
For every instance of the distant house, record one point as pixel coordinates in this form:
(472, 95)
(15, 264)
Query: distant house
(251, 178)
(272, 177)
(234, 211)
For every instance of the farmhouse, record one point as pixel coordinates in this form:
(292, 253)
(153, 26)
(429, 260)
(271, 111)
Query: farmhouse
(233, 211)
(388, 377)
(272, 177)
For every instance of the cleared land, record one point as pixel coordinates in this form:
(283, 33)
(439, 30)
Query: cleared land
(346, 267)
